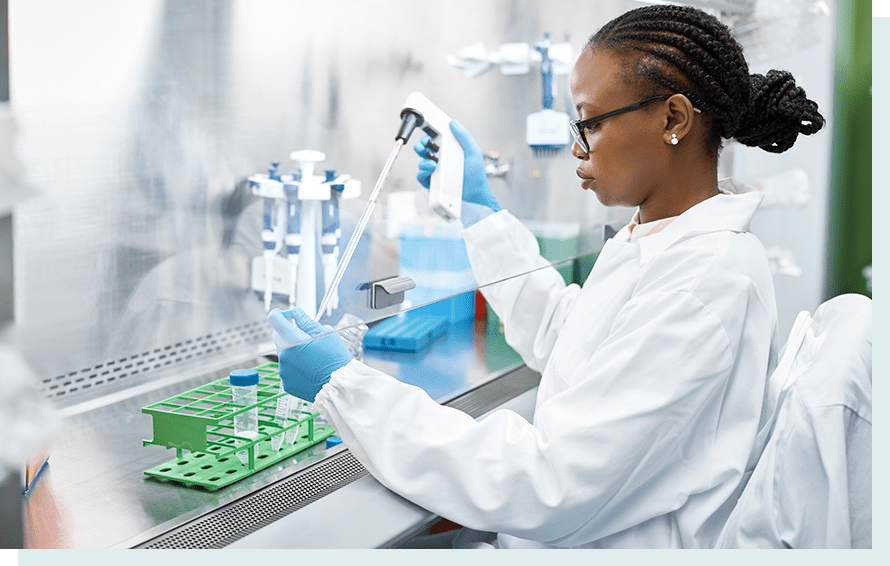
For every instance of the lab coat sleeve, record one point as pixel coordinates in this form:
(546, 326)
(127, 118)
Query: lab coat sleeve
(500, 248)
(610, 452)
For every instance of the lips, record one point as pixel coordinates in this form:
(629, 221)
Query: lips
(586, 181)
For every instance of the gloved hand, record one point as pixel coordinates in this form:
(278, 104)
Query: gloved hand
(305, 365)
(475, 190)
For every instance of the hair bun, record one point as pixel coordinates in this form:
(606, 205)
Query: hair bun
(778, 112)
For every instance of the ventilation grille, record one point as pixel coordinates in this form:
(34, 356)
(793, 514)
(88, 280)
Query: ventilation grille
(226, 525)
(152, 360)
(252, 513)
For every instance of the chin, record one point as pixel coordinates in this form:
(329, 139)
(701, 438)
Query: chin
(605, 200)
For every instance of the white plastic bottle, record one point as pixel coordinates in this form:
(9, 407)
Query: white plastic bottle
(244, 386)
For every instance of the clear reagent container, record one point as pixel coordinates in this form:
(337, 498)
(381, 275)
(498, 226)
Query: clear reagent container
(352, 331)
(244, 392)
(296, 413)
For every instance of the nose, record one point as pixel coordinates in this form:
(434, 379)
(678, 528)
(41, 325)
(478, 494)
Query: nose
(578, 151)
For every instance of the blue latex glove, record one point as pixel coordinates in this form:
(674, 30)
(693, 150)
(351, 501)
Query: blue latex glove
(475, 190)
(305, 365)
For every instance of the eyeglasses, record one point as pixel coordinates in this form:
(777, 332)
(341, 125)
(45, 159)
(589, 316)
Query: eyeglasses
(578, 126)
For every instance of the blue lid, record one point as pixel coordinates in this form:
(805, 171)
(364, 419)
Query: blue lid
(244, 377)
(333, 441)
(273, 171)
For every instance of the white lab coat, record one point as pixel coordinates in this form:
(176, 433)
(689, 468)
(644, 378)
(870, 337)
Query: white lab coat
(653, 378)
(811, 486)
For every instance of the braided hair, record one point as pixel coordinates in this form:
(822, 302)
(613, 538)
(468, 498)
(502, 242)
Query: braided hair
(680, 49)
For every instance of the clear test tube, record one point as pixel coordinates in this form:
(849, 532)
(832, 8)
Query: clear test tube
(296, 413)
(244, 392)
(352, 331)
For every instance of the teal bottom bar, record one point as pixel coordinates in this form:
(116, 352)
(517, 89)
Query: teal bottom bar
(205, 470)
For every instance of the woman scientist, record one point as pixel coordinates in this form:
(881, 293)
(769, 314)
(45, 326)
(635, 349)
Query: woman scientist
(653, 372)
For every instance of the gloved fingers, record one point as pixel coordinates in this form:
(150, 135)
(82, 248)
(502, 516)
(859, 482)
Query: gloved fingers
(427, 166)
(424, 180)
(280, 342)
(307, 324)
(288, 334)
(464, 138)
(424, 171)
(421, 148)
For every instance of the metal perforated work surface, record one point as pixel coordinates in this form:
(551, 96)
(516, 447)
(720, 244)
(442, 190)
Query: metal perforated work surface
(224, 526)
(252, 513)
(155, 359)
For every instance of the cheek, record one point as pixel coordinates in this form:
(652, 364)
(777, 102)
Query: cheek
(628, 158)
(614, 176)
(623, 166)
(656, 148)
(614, 158)
(613, 143)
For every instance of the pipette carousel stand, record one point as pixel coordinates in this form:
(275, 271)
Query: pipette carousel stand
(301, 212)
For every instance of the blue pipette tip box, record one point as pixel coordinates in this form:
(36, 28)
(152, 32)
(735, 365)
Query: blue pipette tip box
(405, 333)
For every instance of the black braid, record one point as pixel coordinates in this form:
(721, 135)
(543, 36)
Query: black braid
(683, 49)
(779, 103)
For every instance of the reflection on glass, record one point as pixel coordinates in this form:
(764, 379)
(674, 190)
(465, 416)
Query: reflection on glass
(138, 255)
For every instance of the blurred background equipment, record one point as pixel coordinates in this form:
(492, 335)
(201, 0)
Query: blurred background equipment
(26, 417)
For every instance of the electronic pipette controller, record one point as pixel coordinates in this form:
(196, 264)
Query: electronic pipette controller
(446, 182)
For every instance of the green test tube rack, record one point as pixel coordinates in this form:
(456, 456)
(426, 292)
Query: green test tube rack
(199, 424)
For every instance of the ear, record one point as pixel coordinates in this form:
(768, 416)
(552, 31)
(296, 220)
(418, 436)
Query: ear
(678, 120)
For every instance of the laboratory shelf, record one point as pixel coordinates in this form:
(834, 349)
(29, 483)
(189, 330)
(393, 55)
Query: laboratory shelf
(201, 420)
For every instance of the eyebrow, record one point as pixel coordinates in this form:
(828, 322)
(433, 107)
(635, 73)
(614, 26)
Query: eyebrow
(578, 107)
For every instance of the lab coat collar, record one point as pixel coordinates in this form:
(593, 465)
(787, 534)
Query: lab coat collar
(731, 210)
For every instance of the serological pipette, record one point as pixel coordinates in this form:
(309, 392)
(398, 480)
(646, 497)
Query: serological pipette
(409, 122)
(447, 202)
(446, 182)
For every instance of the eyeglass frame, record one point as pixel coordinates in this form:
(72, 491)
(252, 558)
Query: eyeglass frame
(577, 127)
